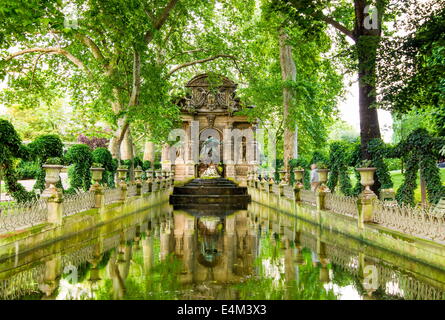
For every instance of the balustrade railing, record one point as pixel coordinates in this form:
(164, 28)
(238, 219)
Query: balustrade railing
(132, 190)
(344, 205)
(78, 257)
(144, 188)
(288, 192)
(392, 281)
(18, 216)
(23, 283)
(112, 195)
(418, 222)
(308, 196)
(75, 203)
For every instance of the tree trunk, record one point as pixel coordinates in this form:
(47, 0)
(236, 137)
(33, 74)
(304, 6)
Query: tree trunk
(368, 38)
(149, 152)
(127, 146)
(118, 137)
(367, 42)
(288, 73)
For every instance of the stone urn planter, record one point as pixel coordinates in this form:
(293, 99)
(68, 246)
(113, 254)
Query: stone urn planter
(122, 173)
(138, 173)
(96, 174)
(149, 175)
(298, 175)
(282, 174)
(323, 175)
(52, 172)
(367, 178)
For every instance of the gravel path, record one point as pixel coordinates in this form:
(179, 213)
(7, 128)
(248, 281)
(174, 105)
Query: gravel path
(28, 184)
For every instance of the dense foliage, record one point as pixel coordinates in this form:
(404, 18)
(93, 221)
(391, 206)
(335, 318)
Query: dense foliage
(80, 158)
(41, 149)
(103, 156)
(11, 148)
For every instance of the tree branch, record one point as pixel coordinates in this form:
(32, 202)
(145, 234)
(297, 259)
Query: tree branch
(161, 20)
(337, 25)
(95, 50)
(61, 51)
(191, 63)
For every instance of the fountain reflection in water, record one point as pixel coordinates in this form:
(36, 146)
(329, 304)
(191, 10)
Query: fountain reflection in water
(249, 254)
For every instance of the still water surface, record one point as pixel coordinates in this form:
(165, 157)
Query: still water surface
(242, 255)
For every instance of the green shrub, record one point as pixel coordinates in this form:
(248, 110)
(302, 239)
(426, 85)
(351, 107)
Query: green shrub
(42, 148)
(339, 158)
(103, 156)
(81, 159)
(27, 170)
(393, 164)
(11, 148)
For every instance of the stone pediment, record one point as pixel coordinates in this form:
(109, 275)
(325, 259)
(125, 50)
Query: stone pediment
(211, 95)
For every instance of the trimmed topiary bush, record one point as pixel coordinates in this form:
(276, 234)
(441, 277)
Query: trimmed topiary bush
(103, 156)
(11, 148)
(42, 148)
(80, 158)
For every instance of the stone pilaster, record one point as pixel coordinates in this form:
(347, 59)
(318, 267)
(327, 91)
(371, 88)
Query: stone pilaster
(54, 198)
(366, 204)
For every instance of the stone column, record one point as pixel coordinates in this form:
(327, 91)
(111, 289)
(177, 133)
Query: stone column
(194, 141)
(227, 152)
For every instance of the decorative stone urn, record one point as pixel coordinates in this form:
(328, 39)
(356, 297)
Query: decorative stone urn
(323, 175)
(283, 179)
(96, 174)
(52, 174)
(122, 173)
(298, 174)
(367, 178)
(323, 178)
(138, 173)
(149, 174)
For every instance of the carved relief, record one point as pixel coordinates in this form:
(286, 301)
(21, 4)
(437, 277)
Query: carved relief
(204, 99)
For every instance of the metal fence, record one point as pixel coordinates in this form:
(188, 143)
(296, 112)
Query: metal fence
(112, 195)
(22, 284)
(79, 202)
(18, 216)
(419, 222)
(308, 196)
(341, 204)
(132, 190)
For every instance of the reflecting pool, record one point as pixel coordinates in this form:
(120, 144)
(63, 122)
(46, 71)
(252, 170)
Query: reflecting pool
(248, 254)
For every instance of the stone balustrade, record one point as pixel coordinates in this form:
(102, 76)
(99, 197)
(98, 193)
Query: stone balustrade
(54, 206)
(366, 209)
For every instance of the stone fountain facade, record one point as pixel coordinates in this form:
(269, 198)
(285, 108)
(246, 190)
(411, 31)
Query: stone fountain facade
(208, 113)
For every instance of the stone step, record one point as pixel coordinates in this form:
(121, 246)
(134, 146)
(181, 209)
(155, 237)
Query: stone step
(209, 199)
(200, 210)
(210, 190)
